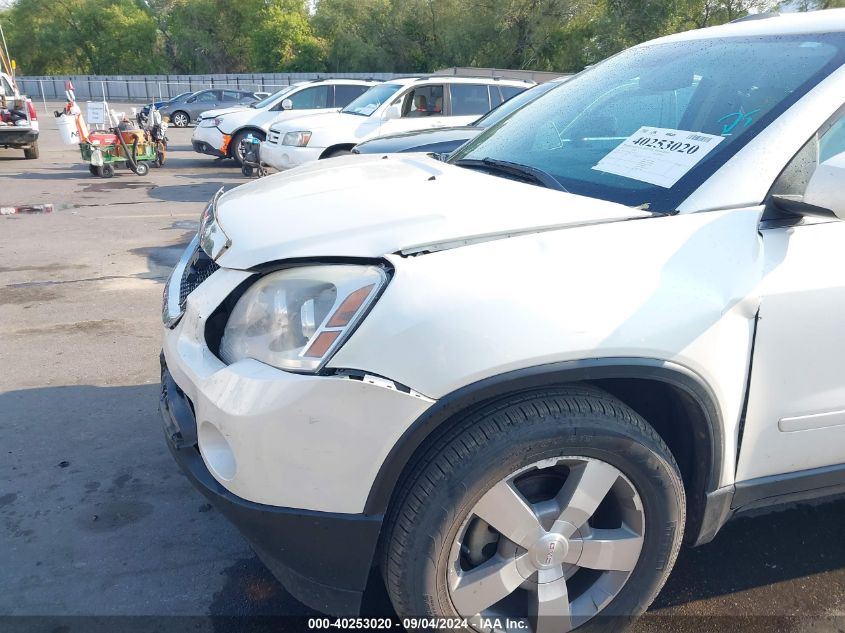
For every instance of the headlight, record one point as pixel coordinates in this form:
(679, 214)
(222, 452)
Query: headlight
(212, 238)
(217, 120)
(296, 319)
(297, 139)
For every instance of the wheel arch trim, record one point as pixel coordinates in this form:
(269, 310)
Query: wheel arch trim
(335, 147)
(245, 128)
(478, 393)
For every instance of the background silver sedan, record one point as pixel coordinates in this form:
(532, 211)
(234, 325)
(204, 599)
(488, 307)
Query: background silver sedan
(183, 110)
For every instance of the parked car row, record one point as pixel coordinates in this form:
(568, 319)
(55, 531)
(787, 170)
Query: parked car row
(517, 380)
(326, 118)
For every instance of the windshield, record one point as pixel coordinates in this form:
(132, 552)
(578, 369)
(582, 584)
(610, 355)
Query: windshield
(513, 104)
(369, 102)
(647, 127)
(267, 101)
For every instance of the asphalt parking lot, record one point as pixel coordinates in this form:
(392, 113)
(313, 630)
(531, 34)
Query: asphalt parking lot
(95, 518)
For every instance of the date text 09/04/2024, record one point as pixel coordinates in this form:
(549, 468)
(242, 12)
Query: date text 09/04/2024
(440, 624)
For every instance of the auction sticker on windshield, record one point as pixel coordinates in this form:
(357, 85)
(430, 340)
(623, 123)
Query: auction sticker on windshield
(658, 155)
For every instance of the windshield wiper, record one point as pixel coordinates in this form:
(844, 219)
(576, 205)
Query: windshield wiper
(525, 172)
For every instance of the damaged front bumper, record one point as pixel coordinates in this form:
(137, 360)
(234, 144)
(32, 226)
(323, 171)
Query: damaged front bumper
(323, 559)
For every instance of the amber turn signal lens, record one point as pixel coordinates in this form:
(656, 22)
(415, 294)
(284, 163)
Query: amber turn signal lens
(321, 344)
(343, 315)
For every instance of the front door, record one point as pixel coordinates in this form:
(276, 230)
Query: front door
(796, 409)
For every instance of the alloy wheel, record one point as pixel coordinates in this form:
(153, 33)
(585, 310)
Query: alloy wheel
(548, 546)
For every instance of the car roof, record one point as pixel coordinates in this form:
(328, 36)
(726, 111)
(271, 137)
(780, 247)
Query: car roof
(364, 82)
(451, 79)
(827, 21)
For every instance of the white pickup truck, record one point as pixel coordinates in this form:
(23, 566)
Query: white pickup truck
(18, 119)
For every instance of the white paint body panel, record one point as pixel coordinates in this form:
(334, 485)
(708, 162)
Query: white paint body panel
(329, 207)
(678, 288)
(296, 441)
(799, 360)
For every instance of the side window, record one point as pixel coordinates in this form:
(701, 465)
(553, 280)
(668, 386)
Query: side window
(311, 98)
(495, 96)
(828, 142)
(469, 99)
(209, 96)
(5, 88)
(510, 91)
(343, 95)
(423, 101)
(231, 95)
(833, 140)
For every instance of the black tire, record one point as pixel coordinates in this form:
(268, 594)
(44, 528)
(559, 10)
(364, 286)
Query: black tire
(180, 118)
(105, 171)
(235, 144)
(31, 152)
(246, 170)
(93, 170)
(142, 168)
(448, 477)
(338, 152)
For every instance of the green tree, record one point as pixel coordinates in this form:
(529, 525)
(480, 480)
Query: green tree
(83, 36)
(284, 39)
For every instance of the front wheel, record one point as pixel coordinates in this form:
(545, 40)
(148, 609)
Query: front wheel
(235, 148)
(547, 509)
(142, 168)
(181, 119)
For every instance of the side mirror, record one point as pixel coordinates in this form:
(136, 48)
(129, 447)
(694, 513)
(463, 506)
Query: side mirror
(825, 189)
(393, 112)
(287, 104)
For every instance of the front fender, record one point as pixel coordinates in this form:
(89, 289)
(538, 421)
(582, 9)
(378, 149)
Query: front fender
(679, 289)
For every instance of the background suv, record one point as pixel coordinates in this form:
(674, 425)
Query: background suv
(399, 105)
(448, 139)
(219, 132)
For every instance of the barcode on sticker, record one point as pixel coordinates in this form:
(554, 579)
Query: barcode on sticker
(699, 138)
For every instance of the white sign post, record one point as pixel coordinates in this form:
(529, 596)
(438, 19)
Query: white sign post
(97, 112)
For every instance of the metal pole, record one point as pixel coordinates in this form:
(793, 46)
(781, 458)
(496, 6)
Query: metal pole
(43, 98)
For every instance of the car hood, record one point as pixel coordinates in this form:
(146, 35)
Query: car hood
(371, 206)
(418, 140)
(320, 120)
(209, 114)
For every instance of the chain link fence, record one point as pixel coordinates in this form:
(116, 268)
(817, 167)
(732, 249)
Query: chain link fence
(144, 88)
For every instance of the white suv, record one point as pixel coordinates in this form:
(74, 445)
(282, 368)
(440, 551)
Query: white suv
(400, 105)
(219, 132)
(518, 380)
